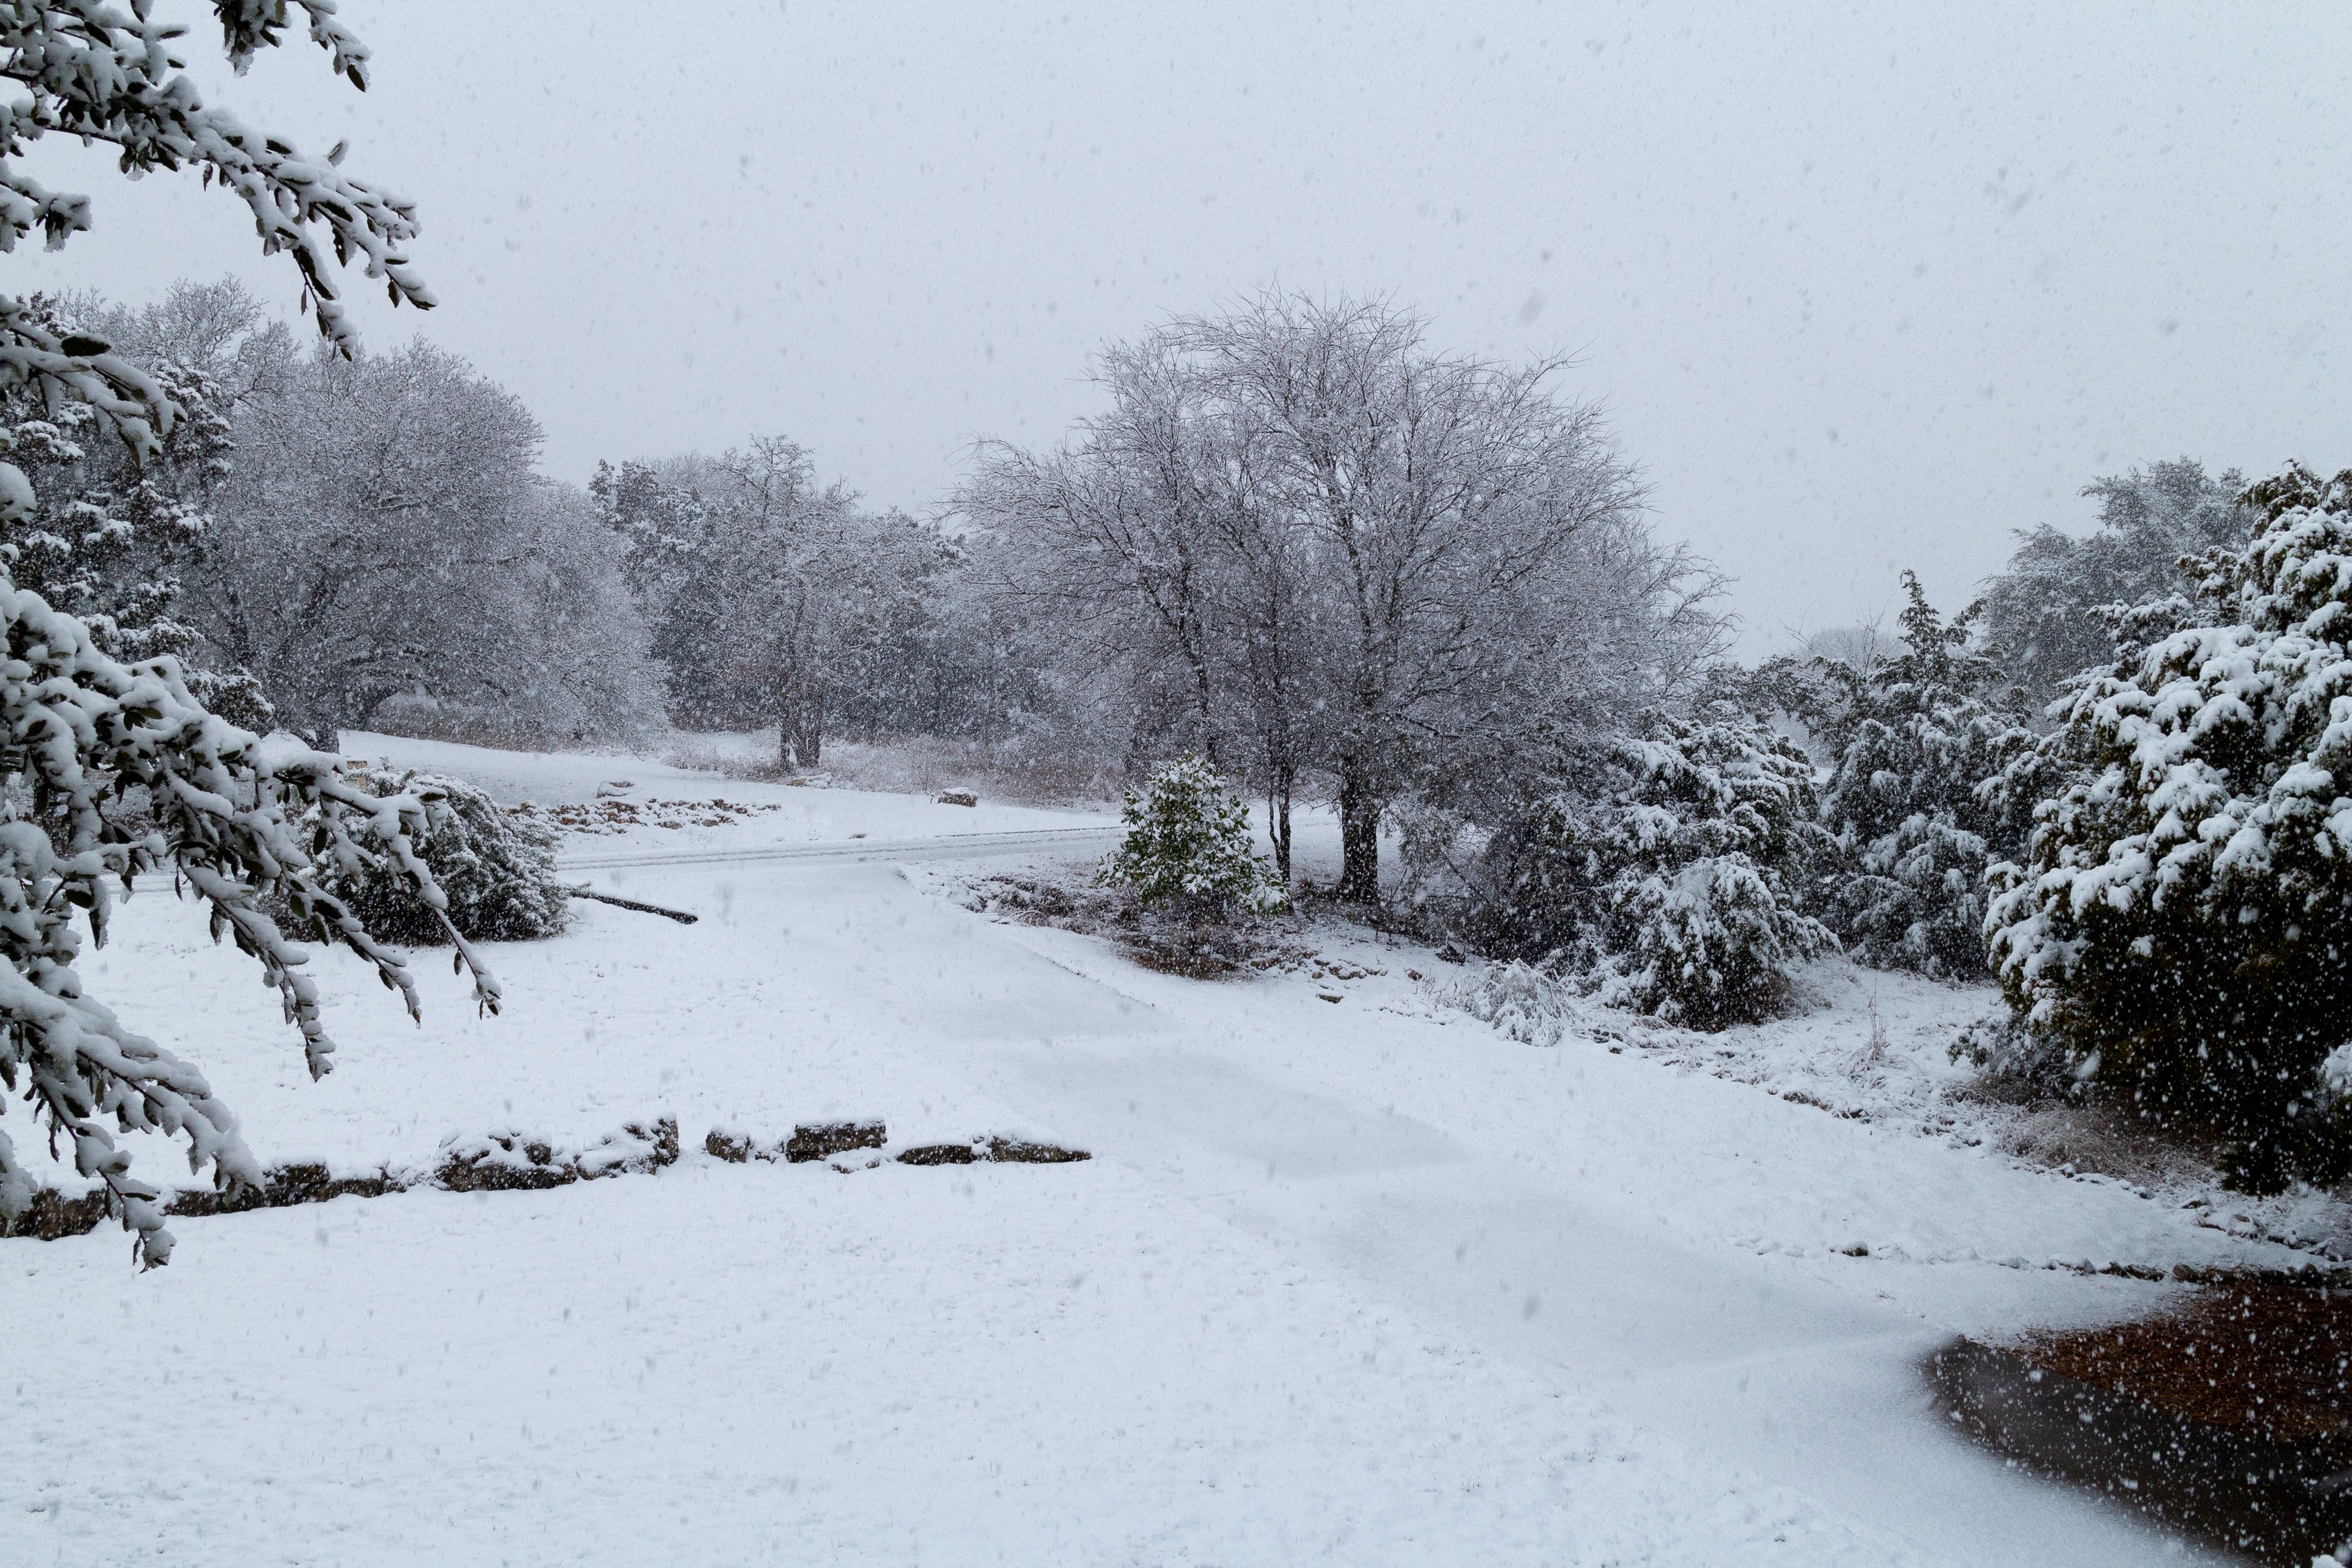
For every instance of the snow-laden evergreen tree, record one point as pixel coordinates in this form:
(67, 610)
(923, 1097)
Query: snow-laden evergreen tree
(1665, 871)
(109, 523)
(2041, 617)
(2181, 923)
(497, 873)
(115, 526)
(1188, 843)
(1912, 737)
(239, 822)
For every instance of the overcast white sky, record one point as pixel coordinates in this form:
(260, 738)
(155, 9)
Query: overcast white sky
(1863, 287)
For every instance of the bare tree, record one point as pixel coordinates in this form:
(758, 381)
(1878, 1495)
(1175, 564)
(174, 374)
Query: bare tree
(1357, 557)
(1440, 496)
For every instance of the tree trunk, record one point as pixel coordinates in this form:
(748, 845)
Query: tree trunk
(808, 743)
(1201, 697)
(800, 717)
(783, 723)
(1277, 825)
(1359, 835)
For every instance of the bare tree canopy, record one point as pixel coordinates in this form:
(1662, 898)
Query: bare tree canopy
(1303, 541)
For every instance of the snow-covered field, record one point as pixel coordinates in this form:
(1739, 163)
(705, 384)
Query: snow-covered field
(1360, 1280)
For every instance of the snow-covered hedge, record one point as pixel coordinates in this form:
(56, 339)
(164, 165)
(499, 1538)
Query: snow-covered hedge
(496, 871)
(1668, 877)
(2182, 921)
(1188, 842)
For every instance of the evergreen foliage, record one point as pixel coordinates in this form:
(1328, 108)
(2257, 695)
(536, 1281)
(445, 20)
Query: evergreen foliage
(241, 823)
(1913, 737)
(496, 873)
(1189, 843)
(1666, 872)
(109, 524)
(2180, 923)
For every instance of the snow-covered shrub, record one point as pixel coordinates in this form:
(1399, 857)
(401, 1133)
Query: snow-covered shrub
(1521, 1001)
(496, 871)
(1709, 943)
(1668, 876)
(1189, 843)
(2181, 924)
(1913, 737)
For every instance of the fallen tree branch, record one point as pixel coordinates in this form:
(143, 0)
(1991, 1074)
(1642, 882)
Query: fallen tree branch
(680, 916)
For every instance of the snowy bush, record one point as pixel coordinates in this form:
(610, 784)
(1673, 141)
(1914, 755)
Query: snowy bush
(1188, 844)
(2182, 919)
(1522, 1002)
(1669, 876)
(1913, 737)
(495, 873)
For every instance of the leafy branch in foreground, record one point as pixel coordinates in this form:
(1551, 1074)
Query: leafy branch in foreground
(240, 822)
(97, 72)
(246, 825)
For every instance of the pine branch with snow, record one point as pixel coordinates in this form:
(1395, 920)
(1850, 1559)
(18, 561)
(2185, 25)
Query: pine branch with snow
(239, 822)
(242, 824)
(95, 72)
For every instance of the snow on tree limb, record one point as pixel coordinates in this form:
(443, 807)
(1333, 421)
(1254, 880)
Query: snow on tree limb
(244, 824)
(104, 74)
(2180, 920)
(241, 822)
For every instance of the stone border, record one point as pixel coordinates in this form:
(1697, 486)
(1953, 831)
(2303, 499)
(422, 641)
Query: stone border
(495, 1162)
(510, 1161)
(861, 1145)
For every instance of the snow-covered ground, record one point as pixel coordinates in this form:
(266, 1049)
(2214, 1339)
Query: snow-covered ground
(1360, 1280)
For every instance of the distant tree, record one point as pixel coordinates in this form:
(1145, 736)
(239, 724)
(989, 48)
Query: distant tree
(2040, 618)
(382, 537)
(2178, 924)
(1301, 541)
(773, 598)
(235, 821)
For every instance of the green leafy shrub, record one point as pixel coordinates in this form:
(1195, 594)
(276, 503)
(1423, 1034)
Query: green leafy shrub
(1188, 846)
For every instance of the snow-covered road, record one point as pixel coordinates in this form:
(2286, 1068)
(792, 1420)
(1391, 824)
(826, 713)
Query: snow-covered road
(978, 845)
(1344, 1282)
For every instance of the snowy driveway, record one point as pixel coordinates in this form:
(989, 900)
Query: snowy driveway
(1341, 1283)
